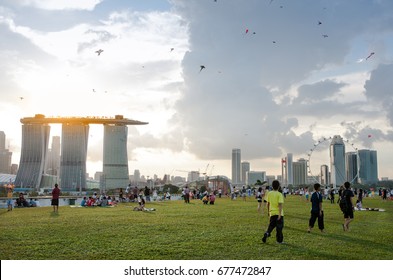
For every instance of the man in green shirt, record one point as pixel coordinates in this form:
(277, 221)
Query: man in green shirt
(275, 201)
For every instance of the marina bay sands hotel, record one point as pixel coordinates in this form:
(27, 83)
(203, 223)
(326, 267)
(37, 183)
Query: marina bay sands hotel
(74, 140)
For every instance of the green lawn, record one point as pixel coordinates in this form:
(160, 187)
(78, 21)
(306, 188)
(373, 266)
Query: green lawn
(228, 230)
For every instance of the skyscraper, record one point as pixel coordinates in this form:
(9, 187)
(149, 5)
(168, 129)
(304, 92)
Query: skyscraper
(351, 164)
(5, 156)
(245, 168)
(368, 166)
(337, 161)
(325, 175)
(236, 159)
(35, 139)
(115, 162)
(73, 156)
(300, 172)
(53, 161)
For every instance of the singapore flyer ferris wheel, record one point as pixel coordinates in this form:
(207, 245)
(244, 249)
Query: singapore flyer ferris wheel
(343, 169)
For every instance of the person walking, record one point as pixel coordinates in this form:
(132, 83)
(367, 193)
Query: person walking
(316, 209)
(55, 198)
(332, 196)
(275, 201)
(348, 211)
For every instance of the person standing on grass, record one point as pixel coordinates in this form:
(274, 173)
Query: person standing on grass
(348, 212)
(9, 196)
(332, 196)
(259, 199)
(275, 201)
(55, 198)
(316, 209)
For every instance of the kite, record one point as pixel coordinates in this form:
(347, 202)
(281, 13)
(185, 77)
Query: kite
(325, 36)
(99, 51)
(246, 30)
(172, 49)
(202, 67)
(21, 97)
(319, 23)
(369, 136)
(370, 55)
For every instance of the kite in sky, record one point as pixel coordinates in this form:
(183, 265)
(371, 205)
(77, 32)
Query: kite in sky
(202, 67)
(325, 36)
(99, 51)
(172, 49)
(370, 55)
(369, 136)
(246, 30)
(21, 97)
(319, 23)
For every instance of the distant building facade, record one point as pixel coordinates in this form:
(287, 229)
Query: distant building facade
(236, 159)
(337, 161)
(5, 155)
(245, 165)
(368, 166)
(253, 176)
(35, 139)
(115, 162)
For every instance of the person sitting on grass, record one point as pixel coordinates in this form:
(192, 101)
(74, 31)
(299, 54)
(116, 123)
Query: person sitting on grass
(358, 205)
(212, 198)
(205, 199)
(84, 202)
(141, 202)
(21, 201)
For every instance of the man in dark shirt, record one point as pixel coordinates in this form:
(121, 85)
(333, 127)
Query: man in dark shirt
(316, 209)
(55, 198)
(348, 212)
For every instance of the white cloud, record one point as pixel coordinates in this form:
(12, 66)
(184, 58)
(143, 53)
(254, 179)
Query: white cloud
(61, 4)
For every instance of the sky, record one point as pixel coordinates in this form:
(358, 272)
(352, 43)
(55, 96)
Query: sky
(278, 77)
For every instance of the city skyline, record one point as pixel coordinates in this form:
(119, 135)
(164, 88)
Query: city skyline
(274, 81)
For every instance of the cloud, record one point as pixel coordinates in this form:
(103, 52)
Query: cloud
(61, 4)
(378, 89)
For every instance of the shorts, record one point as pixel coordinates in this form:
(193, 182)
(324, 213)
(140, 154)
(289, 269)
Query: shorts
(9, 202)
(55, 202)
(348, 214)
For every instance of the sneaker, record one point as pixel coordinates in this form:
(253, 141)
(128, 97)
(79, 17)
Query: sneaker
(264, 238)
(309, 230)
(282, 242)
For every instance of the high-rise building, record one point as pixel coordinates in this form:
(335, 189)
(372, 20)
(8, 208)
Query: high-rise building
(337, 161)
(53, 160)
(2, 140)
(368, 166)
(73, 150)
(73, 156)
(5, 156)
(245, 168)
(137, 176)
(236, 159)
(115, 162)
(287, 170)
(351, 164)
(325, 176)
(300, 172)
(35, 139)
(253, 176)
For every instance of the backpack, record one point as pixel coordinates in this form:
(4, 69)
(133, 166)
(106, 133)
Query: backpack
(344, 205)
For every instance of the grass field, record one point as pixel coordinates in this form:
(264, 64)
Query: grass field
(177, 231)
